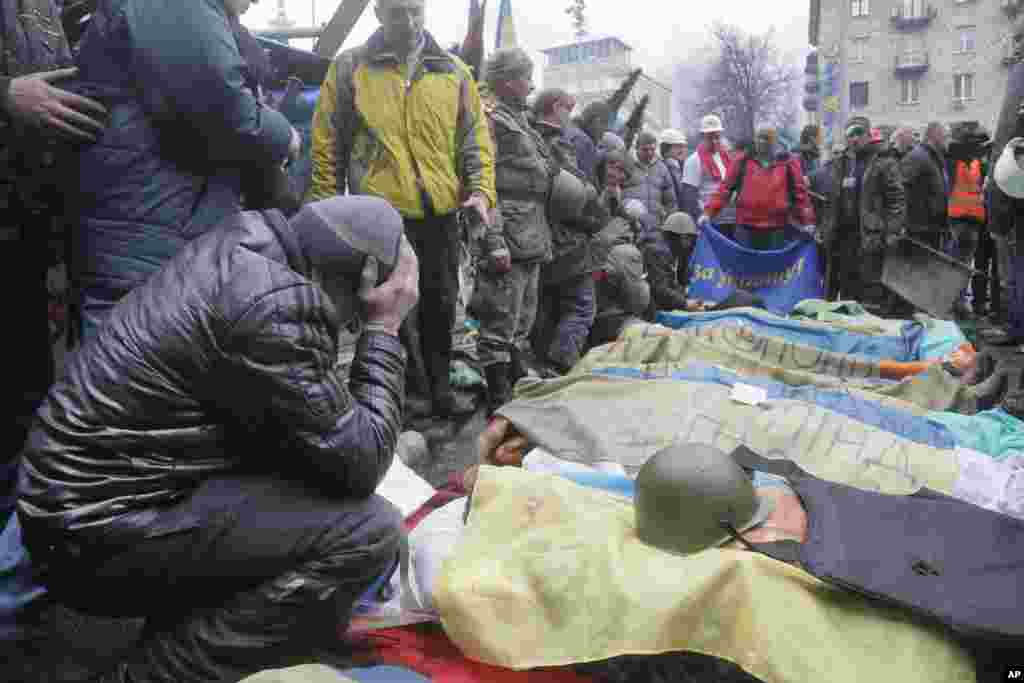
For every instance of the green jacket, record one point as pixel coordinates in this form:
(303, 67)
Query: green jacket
(524, 168)
(883, 202)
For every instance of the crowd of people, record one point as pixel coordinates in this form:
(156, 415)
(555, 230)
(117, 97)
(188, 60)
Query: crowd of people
(204, 405)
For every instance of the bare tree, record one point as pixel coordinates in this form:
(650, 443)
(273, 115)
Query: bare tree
(577, 9)
(687, 89)
(748, 83)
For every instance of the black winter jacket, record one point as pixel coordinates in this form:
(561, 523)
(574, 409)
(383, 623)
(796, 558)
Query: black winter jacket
(925, 184)
(226, 358)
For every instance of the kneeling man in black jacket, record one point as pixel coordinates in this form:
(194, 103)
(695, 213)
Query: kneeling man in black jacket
(206, 463)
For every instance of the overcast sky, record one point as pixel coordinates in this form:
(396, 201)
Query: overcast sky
(659, 35)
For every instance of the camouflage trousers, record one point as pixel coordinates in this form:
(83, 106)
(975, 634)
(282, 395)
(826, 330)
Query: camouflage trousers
(505, 304)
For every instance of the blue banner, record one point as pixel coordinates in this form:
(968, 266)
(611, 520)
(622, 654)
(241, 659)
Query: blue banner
(782, 278)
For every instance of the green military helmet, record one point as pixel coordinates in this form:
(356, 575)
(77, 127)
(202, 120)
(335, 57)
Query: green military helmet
(680, 223)
(568, 196)
(688, 495)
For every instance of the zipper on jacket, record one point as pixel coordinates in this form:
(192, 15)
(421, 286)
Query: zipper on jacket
(425, 201)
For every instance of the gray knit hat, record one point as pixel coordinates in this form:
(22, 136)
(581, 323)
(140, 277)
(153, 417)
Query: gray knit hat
(508, 64)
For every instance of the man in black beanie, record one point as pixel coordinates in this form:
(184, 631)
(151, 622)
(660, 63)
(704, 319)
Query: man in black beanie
(205, 462)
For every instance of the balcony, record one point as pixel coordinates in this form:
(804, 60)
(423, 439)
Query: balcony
(914, 18)
(910, 64)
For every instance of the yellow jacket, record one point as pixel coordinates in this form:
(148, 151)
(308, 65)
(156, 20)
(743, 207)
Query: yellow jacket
(408, 141)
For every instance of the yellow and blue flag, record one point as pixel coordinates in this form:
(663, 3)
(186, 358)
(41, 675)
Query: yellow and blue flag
(506, 34)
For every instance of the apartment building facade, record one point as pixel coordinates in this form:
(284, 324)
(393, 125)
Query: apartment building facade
(908, 62)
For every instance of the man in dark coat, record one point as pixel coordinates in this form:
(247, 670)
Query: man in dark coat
(184, 125)
(567, 300)
(206, 463)
(585, 133)
(39, 120)
(518, 241)
(667, 260)
(866, 212)
(926, 180)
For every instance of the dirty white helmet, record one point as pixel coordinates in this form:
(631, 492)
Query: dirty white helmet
(711, 124)
(1009, 173)
(634, 208)
(671, 136)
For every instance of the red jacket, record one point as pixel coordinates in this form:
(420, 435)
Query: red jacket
(766, 199)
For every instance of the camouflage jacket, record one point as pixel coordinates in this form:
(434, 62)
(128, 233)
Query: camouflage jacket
(32, 41)
(883, 203)
(574, 250)
(523, 170)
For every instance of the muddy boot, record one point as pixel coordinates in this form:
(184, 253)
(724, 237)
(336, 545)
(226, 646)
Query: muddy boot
(499, 389)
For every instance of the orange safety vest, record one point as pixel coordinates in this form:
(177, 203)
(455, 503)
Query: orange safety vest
(966, 200)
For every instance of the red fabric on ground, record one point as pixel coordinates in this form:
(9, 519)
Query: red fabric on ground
(444, 495)
(426, 649)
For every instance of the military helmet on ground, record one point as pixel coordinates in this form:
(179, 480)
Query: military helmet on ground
(690, 497)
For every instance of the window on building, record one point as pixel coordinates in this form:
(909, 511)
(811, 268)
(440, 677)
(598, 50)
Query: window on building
(910, 91)
(859, 8)
(859, 46)
(913, 8)
(967, 39)
(963, 87)
(859, 95)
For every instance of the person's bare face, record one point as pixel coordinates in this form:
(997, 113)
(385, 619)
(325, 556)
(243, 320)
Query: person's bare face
(614, 174)
(678, 152)
(561, 113)
(402, 21)
(521, 87)
(712, 141)
(645, 153)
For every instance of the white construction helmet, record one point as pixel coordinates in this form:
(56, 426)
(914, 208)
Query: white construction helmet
(671, 136)
(1009, 174)
(711, 124)
(634, 208)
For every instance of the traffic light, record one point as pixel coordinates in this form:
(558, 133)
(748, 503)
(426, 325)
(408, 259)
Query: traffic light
(811, 94)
